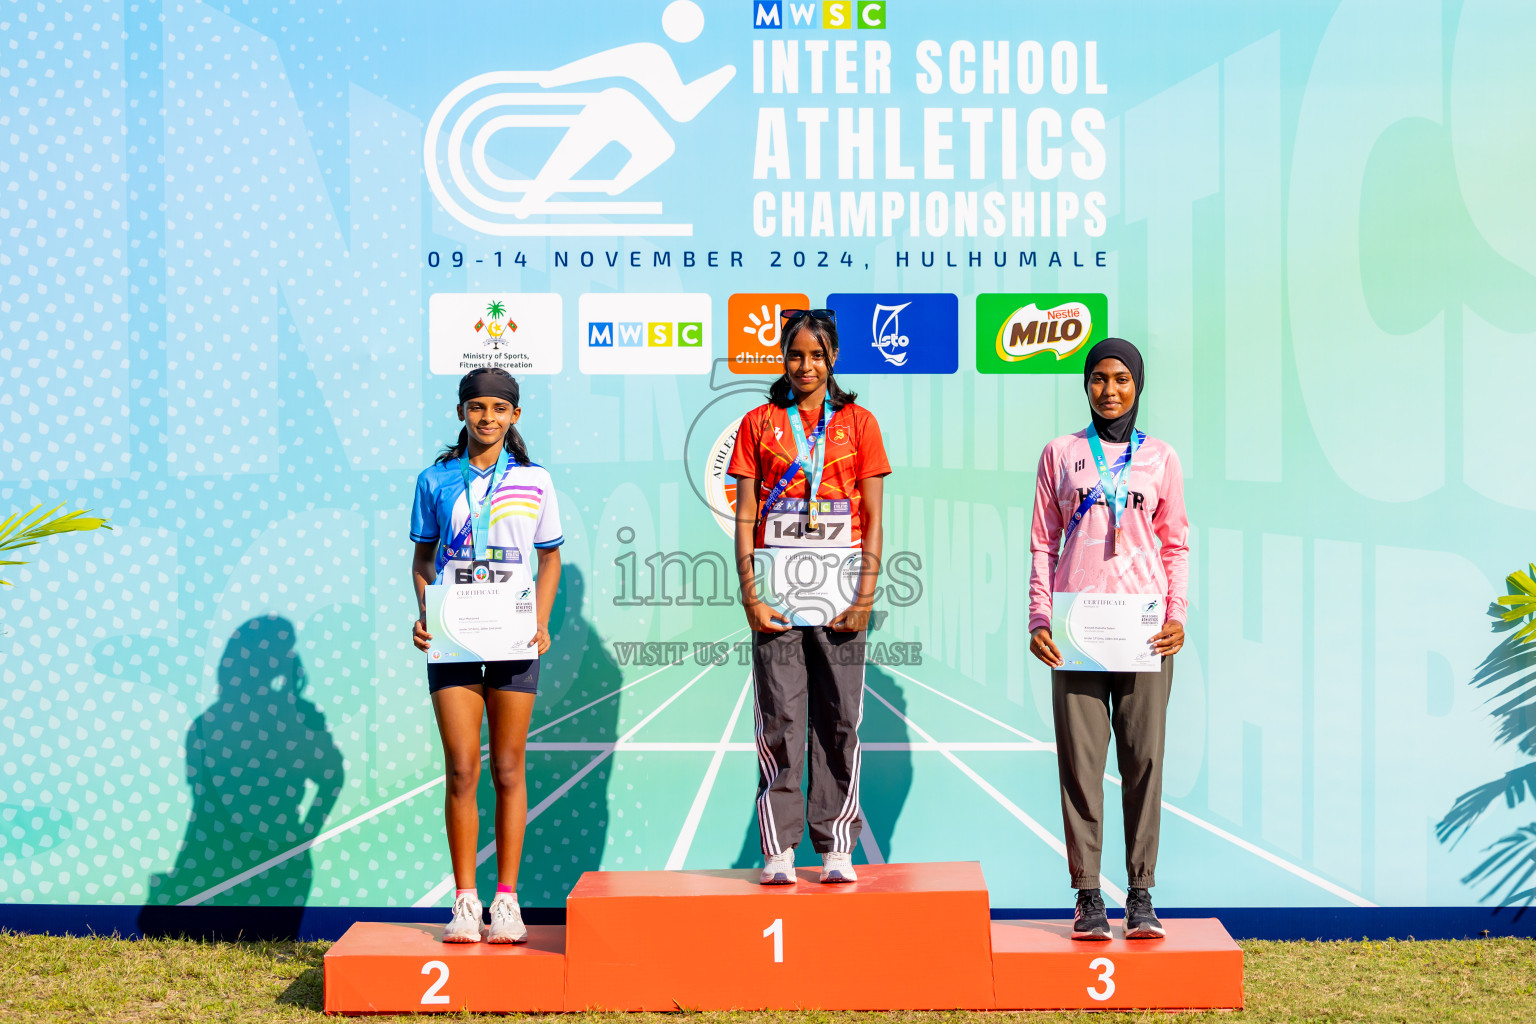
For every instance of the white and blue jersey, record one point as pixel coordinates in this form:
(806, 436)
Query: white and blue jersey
(523, 516)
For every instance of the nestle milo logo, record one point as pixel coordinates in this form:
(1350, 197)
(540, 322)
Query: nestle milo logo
(1038, 333)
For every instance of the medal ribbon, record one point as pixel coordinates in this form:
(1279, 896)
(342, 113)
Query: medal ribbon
(809, 451)
(479, 511)
(1113, 480)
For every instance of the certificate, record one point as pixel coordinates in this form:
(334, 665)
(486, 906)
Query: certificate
(1098, 632)
(808, 586)
(481, 622)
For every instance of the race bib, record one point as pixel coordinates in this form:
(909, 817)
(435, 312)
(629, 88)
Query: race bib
(788, 524)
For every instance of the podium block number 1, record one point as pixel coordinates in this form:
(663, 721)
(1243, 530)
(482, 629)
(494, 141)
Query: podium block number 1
(1106, 968)
(430, 996)
(777, 931)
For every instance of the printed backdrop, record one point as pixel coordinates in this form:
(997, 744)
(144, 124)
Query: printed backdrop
(248, 248)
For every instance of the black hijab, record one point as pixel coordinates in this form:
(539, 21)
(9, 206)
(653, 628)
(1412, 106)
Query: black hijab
(1119, 429)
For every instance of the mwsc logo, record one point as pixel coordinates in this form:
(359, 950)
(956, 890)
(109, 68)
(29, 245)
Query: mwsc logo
(835, 14)
(497, 199)
(652, 332)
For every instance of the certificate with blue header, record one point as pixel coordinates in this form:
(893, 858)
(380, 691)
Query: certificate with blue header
(1098, 632)
(481, 622)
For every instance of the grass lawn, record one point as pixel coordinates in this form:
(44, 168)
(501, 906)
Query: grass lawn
(113, 980)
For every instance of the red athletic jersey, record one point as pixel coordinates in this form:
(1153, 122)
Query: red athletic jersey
(765, 448)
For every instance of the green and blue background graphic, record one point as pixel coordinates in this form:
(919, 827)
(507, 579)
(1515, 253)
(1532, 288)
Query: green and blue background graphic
(220, 236)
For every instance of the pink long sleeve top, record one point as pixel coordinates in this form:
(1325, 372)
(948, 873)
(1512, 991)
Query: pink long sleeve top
(1153, 557)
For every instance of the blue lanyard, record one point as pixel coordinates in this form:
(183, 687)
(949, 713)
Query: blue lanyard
(480, 511)
(809, 451)
(1115, 483)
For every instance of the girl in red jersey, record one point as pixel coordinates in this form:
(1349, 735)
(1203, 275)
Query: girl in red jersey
(809, 467)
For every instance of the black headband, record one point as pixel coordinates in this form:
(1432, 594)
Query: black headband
(488, 383)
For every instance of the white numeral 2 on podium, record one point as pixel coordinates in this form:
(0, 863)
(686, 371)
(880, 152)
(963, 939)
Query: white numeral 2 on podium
(777, 931)
(1106, 968)
(430, 996)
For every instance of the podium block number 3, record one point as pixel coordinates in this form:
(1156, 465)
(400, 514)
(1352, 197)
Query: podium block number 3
(777, 931)
(1106, 968)
(430, 996)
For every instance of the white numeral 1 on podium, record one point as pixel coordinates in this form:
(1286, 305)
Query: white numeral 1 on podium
(430, 996)
(1106, 968)
(777, 931)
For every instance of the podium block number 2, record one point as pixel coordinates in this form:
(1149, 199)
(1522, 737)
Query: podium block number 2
(1106, 968)
(430, 996)
(777, 931)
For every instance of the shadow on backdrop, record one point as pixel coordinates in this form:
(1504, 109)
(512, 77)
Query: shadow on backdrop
(571, 834)
(264, 773)
(1507, 872)
(885, 781)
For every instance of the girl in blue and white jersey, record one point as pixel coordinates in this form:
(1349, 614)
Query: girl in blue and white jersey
(483, 513)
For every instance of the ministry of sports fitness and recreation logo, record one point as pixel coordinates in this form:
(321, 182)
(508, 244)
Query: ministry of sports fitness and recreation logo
(1038, 333)
(520, 332)
(495, 323)
(496, 198)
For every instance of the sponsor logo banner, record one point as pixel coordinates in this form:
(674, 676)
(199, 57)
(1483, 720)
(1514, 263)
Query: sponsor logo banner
(895, 332)
(752, 330)
(662, 332)
(827, 14)
(518, 331)
(1038, 332)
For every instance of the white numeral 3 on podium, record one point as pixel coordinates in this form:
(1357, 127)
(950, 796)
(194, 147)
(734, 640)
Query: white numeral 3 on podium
(1106, 968)
(430, 996)
(777, 931)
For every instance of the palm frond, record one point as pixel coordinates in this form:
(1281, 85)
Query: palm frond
(24, 529)
(1515, 786)
(1509, 867)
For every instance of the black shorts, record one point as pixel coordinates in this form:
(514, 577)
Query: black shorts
(518, 676)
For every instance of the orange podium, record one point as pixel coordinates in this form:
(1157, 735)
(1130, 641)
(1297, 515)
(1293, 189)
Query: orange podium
(1038, 966)
(408, 968)
(905, 936)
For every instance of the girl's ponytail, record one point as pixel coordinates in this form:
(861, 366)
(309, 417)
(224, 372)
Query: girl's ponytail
(516, 448)
(456, 449)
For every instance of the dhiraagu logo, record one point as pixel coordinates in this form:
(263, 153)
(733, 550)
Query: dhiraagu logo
(644, 333)
(1042, 332)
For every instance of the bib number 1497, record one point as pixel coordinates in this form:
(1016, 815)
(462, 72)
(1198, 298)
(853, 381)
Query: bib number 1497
(796, 529)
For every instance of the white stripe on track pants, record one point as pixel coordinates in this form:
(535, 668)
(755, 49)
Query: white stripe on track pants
(808, 678)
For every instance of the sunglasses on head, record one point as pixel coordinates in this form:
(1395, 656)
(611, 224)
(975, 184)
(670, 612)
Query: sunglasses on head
(793, 315)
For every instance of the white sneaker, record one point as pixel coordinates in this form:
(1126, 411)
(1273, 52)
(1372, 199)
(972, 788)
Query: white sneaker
(507, 920)
(465, 926)
(838, 867)
(779, 869)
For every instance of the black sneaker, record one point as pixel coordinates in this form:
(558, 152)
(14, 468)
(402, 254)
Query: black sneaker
(1140, 919)
(1089, 920)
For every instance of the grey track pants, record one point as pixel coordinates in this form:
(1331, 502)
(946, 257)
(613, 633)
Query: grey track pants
(808, 678)
(1085, 706)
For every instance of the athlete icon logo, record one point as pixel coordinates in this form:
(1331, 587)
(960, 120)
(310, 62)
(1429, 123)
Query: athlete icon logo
(886, 328)
(474, 113)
